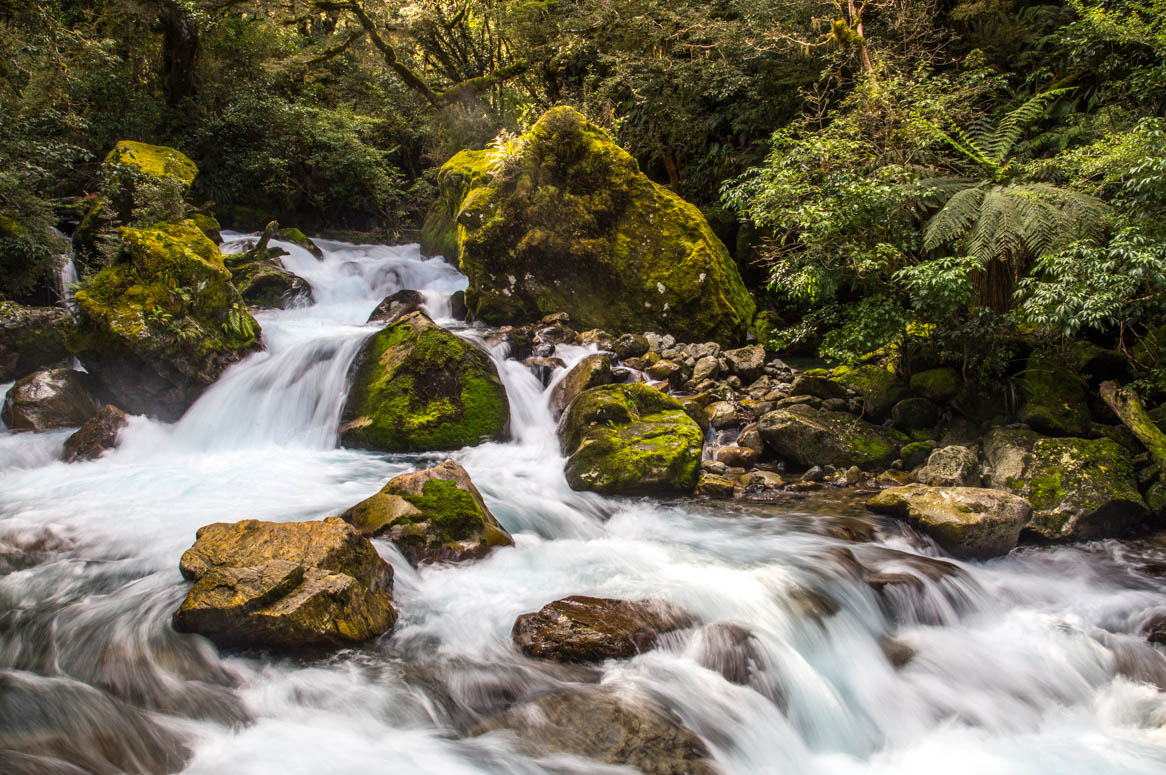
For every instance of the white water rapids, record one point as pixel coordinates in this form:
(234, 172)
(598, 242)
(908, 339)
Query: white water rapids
(1031, 664)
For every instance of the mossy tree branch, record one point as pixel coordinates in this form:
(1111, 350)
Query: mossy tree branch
(1128, 407)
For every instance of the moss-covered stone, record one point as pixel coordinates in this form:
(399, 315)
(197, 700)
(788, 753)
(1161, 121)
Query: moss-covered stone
(916, 453)
(301, 240)
(265, 283)
(940, 385)
(417, 387)
(432, 515)
(968, 522)
(154, 161)
(592, 371)
(807, 437)
(563, 220)
(162, 323)
(31, 338)
(1055, 402)
(630, 439)
(1080, 489)
(209, 226)
(879, 387)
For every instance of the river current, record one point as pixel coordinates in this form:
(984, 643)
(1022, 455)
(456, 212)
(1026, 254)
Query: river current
(1032, 664)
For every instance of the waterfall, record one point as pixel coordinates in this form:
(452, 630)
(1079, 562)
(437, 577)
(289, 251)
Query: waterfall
(1028, 664)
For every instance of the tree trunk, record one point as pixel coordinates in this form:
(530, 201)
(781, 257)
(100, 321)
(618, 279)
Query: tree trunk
(180, 48)
(1128, 407)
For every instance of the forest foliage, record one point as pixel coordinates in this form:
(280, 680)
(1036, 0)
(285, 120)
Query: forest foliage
(937, 177)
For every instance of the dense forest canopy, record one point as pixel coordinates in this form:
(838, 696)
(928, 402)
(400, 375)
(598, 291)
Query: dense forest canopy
(936, 177)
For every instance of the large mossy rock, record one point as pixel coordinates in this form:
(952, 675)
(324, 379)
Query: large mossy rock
(285, 585)
(968, 522)
(630, 439)
(592, 371)
(164, 322)
(31, 338)
(432, 515)
(563, 220)
(264, 282)
(606, 727)
(1055, 401)
(592, 629)
(47, 400)
(417, 387)
(878, 386)
(808, 437)
(1080, 489)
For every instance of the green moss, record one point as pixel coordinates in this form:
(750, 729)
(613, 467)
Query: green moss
(879, 387)
(156, 161)
(941, 385)
(452, 510)
(1054, 397)
(419, 387)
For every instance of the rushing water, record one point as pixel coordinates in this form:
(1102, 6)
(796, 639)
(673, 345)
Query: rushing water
(1029, 664)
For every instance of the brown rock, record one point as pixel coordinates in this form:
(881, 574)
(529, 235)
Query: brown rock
(592, 629)
(47, 400)
(98, 434)
(592, 371)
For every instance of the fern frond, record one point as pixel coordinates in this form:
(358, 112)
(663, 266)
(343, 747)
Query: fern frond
(955, 219)
(1014, 124)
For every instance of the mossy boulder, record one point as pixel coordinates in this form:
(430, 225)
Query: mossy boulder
(630, 439)
(562, 219)
(806, 437)
(1080, 489)
(164, 322)
(1055, 401)
(968, 522)
(940, 385)
(47, 400)
(417, 387)
(264, 282)
(432, 515)
(878, 386)
(592, 629)
(604, 726)
(592, 371)
(31, 338)
(285, 585)
(158, 162)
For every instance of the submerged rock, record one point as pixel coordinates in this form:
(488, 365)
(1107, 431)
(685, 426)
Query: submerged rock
(807, 437)
(417, 387)
(630, 439)
(431, 515)
(47, 400)
(592, 629)
(592, 371)
(606, 727)
(285, 585)
(396, 306)
(968, 522)
(31, 338)
(164, 322)
(96, 436)
(563, 220)
(264, 282)
(1080, 489)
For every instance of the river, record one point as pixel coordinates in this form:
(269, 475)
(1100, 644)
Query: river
(1029, 664)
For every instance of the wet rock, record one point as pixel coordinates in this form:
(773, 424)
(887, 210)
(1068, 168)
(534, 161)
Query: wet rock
(664, 370)
(163, 322)
(952, 466)
(457, 305)
(714, 485)
(897, 652)
(1080, 489)
(751, 437)
(814, 474)
(747, 363)
(544, 368)
(1055, 400)
(285, 585)
(913, 414)
(630, 439)
(96, 436)
(706, 368)
(818, 386)
(574, 225)
(397, 306)
(47, 400)
(605, 727)
(631, 346)
(968, 522)
(417, 387)
(265, 283)
(31, 338)
(433, 515)
(807, 437)
(592, 629)
(301, 240)
(735, 456)
(731, 650)
(592, 371)
(723, 414)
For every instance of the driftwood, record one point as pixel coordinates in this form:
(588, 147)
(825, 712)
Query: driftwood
(1128, 407)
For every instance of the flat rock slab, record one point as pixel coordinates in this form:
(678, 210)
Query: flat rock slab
(592, 629)
(968, 522)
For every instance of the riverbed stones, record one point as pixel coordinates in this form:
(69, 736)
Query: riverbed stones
(1080, 489)
(968, 522)
(592, 629)
(592, 371)
(434, 515)
(163, 322)
(31, 338)
(951, 466)
(285, 585)
(569, 223)
(417, 387)
(607, 727)
(747, 362)
(96, 436)
(805, 436)
(630, 439)
(48, 400)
